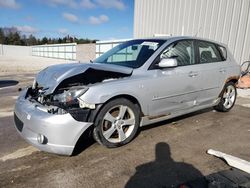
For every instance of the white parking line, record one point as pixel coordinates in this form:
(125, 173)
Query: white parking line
(23, 167)
(246, 105)
(30, 77)
(8, 87)
(6, 114)
(14, 97)
(19, 153)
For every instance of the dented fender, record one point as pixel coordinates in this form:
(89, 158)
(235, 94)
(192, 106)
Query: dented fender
(118, 87)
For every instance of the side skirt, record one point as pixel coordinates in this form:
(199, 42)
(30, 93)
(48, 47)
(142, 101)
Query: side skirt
(147, 120)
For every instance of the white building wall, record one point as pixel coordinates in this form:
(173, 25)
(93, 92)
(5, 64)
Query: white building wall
(104, 46)
(15, 51)
(58, 51)
(85, 52)
(226, 21)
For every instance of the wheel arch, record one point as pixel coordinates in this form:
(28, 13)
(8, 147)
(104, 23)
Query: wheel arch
(131, 98)
(221, 105)
(233, 79)
(128, 97)
(116, 100)
(93, 116)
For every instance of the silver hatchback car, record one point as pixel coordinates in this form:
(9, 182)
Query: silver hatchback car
(136, 83)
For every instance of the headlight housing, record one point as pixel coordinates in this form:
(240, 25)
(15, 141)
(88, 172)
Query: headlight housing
(71, 95)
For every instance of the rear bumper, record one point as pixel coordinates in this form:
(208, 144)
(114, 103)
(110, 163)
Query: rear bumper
(61, 132)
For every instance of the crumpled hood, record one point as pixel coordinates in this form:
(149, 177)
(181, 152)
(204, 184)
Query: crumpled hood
(52, 76)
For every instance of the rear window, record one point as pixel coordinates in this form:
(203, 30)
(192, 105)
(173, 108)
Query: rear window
(208, 52)
(223, 52)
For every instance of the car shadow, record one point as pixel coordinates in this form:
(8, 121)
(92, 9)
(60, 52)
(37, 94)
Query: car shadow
(163, 171)
(85, 141)
(7, 83)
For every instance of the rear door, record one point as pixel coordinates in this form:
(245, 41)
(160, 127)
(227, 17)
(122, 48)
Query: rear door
(213, 69)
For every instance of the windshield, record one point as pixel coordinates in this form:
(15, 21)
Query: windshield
(132, 54)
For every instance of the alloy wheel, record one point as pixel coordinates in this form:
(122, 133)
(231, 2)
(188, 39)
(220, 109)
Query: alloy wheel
(229, 96)
(118, 124)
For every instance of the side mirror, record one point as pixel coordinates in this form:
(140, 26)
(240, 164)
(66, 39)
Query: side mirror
(168, 63)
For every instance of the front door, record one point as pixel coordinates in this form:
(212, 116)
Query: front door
(175, 89)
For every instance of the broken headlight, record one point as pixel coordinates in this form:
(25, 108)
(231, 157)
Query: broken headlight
(71, 95)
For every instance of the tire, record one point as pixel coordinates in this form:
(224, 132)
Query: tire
(117, 123)
(228, 98)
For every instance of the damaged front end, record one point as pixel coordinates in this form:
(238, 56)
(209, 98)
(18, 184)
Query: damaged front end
(64, 101)
(51, 115)
(64, 97)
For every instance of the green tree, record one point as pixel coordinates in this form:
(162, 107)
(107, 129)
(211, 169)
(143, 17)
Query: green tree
(16, 39)
(44, 40)
(10, 38)
(23, 40)
(49, 41)
(32, 40)
(1, 36)
(13, 37)
(60, 40)
(6, 40)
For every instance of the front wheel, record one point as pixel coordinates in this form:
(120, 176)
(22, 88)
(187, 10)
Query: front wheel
(228, 98)
(117, 123)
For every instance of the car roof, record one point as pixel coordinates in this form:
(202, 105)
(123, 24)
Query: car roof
(183, 38)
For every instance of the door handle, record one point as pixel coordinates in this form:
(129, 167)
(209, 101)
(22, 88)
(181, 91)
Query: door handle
(222, 70)
(193, 74)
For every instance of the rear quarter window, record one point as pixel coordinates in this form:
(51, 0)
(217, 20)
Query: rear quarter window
(223, 52)
(209, 52)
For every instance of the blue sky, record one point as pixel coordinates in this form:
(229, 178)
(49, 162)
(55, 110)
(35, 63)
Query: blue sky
(94, 19)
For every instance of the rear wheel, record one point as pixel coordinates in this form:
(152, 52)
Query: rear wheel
(117, 123)
(228, 98)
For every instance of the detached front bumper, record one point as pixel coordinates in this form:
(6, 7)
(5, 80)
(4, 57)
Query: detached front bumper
(48, 132)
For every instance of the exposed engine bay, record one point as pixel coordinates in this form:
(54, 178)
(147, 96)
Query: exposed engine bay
(65, 98)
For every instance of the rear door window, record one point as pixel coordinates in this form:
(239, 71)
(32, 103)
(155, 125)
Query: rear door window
(208, 52)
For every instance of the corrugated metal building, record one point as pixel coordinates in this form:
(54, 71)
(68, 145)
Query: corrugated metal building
(227, 21)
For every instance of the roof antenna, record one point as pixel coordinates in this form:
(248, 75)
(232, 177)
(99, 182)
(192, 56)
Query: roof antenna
(198, 32)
